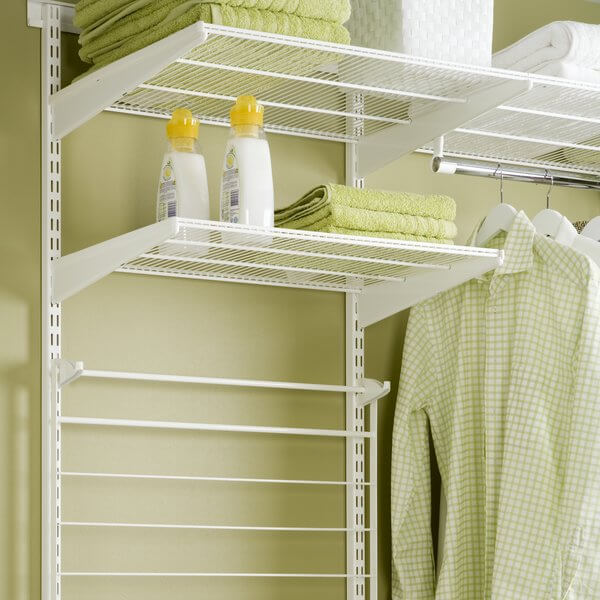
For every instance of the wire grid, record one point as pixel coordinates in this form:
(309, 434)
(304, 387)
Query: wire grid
(308, 87)
(555, 125)
(342, 93)
(210, 250)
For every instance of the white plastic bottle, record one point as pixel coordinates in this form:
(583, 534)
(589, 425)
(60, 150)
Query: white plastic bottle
(247, 185)
(183, 185)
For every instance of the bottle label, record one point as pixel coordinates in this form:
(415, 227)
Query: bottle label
(167, 192)
(230, 189)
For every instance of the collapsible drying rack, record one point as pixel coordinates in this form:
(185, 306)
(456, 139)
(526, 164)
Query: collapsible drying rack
(381, 105)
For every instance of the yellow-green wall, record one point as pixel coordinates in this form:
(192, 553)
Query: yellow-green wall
(109, 172)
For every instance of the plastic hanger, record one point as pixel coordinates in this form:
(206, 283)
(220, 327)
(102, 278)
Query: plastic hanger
(552, 224)
(592, 229)
(500, 218)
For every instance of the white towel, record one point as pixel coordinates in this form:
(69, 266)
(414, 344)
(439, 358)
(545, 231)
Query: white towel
(567, 41)
(561, 68)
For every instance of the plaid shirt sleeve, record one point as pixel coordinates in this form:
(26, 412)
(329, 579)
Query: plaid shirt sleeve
(413, 567)
(580, 500)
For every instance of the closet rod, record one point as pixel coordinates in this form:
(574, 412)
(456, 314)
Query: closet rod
(448, 167)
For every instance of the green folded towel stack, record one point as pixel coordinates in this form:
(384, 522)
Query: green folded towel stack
(111, 29)
(398, 215)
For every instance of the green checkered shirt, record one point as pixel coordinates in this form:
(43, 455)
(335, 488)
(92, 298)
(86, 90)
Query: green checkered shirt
(505, 371)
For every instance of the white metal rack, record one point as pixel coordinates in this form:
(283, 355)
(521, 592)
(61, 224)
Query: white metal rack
(381, 105)
(387, 275)
(387, 104)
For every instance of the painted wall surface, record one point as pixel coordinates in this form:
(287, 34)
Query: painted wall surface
(109, 176)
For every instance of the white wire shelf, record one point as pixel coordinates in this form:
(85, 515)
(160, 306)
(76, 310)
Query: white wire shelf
(389, 103)
(388, 275)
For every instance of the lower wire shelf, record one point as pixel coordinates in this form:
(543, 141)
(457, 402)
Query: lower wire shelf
(365, 392)
(388, 275)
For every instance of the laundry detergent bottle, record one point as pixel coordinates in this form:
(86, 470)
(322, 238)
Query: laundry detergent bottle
(183, 185)
(247, 184)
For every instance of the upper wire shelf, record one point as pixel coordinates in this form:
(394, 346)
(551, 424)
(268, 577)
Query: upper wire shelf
(390, 102)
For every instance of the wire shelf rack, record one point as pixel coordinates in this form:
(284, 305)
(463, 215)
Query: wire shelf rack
(277, 257)
(348, 94)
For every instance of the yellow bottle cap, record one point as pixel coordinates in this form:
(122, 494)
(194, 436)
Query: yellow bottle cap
(182, 124)
(247, 111)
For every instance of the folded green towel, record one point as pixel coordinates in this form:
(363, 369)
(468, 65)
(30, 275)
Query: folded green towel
(380, 234)
(91, 14)
(139, 33)
(317, 204)
(360, 219)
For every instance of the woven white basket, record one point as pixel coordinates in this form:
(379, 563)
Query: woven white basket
(451, 30)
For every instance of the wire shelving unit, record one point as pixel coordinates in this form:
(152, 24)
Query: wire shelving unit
(381, 105)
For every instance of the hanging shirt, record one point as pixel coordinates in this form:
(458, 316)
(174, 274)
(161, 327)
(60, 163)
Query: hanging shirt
(505, 372)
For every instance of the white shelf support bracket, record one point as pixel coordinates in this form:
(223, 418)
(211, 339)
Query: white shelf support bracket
(67, 13)
(76, 271)
(89, 96)
(374, 390)
(381, 148)
(386, 299)
(67, 371)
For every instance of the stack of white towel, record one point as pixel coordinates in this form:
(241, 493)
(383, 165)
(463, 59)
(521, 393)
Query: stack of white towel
(561, 49)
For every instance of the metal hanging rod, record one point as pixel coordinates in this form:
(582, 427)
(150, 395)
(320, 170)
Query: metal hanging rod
(448, 167)
(442, 165)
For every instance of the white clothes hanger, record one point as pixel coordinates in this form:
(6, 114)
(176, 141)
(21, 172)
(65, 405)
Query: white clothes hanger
(551, 223)
(500, 218)
(592, 229)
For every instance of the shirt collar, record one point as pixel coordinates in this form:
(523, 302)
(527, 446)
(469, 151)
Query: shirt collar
(518, 247)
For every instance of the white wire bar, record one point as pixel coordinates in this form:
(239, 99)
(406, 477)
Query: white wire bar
(219, 381)
(214, 575)
(133, 423)
(208, 527)
(244, 480)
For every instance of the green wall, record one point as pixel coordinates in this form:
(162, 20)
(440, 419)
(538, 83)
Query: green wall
(109, 173)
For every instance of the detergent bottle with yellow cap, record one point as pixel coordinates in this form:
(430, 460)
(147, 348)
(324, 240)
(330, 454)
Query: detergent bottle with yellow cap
(183, 185)
(247, 184)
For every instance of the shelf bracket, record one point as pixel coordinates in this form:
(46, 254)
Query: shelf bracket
(76, 271)
(386, 299)
(67, 371)
(374, 390)
(90, 95)
(67, 13)
(381, 148)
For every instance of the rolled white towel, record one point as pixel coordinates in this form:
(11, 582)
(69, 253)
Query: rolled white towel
(561, 68)
(567, 41)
